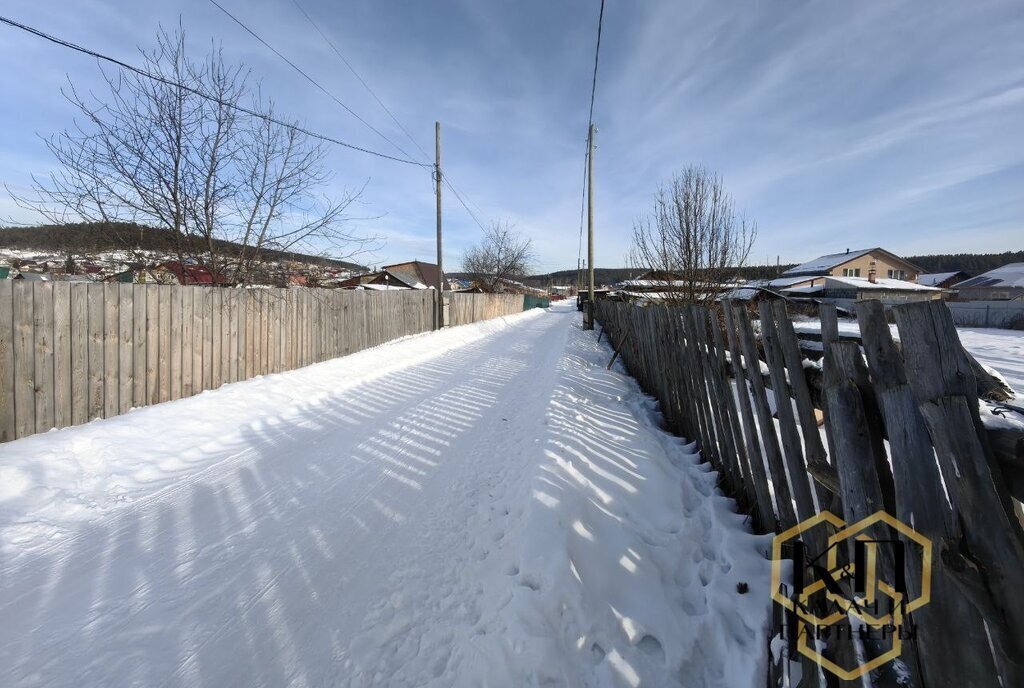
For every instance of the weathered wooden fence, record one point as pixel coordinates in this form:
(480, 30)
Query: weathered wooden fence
(902, 434)
(465, 308)
(70, 352)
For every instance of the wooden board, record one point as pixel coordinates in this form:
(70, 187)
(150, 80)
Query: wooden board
(139, 294)
(111, 349)
(62, 363)
(42, 317)
(125, 354)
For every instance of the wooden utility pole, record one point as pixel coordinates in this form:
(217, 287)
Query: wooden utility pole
(439, 286)
(588, 323)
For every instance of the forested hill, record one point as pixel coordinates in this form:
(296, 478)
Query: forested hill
(971, 263)
(88, 238)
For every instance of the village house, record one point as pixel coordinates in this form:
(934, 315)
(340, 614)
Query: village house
(414, 274)
(843, 291)
(860, 263)
(1002, 284)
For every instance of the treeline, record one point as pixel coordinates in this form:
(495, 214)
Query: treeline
(971, 263)
(81, 239)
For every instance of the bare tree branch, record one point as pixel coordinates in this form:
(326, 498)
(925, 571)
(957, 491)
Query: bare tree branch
(154, 154)
(693, 240)
(503, 255)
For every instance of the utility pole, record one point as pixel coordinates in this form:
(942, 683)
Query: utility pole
(588, 323)
(439, 287)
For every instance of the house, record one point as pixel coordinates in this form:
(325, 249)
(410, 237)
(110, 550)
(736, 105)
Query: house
(175, 272)
(383, 279)
(845, 290)
(1002, 284)
(5, 271)
(861, 263)
(942, 280)
(416, 274)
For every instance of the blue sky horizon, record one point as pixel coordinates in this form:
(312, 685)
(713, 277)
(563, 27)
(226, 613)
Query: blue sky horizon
(833, 126)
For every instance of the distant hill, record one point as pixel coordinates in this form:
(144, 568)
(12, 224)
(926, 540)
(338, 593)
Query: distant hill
(87, 238)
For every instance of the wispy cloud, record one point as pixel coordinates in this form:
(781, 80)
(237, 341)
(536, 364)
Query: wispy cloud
(894, 123)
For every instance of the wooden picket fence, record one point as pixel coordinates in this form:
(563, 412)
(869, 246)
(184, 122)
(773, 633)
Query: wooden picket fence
(73, 352)
(902, 431)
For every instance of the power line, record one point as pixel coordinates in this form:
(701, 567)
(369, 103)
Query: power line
(597, 54)
(307, 76)
(444, 178)
(201, 94)
(462, 198)
(352, 69)
(590, 123)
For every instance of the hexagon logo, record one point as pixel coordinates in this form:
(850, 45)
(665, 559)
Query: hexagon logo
(842, 589)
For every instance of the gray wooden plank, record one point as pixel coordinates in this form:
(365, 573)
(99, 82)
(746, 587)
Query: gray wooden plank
(42, 317)
(769, 439)
(920, 499)
(96, 300)
(153, 342)
(111, 349)
(791, 442)
(177, 376)
(139, 294)
(62, 361)
(198, 329)
(79, 353)
(125, 349)
(24, 360)
(216, 345)
(7, 412)
(188, 387)
(164, 352)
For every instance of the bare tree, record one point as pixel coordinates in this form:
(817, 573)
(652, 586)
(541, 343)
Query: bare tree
(227, 185)
(502, 256)
(693, 241)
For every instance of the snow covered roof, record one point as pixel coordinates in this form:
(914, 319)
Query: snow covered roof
(823, 264)
(1010, 275)
(781, 282)
(879, 283)
(931, 279)
(651, 283)
(383, 287)
(748, 294)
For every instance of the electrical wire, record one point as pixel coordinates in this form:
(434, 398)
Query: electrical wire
(307, 76)
(461, 197)
(356, 74)
(194, 91)
(590, 125)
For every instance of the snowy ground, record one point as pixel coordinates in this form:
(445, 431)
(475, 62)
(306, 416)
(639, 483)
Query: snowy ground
(485, 506)
(1001, 350)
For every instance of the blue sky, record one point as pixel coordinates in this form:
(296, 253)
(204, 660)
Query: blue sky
(834, 125)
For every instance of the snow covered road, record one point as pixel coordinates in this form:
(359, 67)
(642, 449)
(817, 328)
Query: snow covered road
(482, 506)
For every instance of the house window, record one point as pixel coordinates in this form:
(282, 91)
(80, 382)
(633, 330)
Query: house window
(897, 274)
(1000, 296)
(851, 272)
